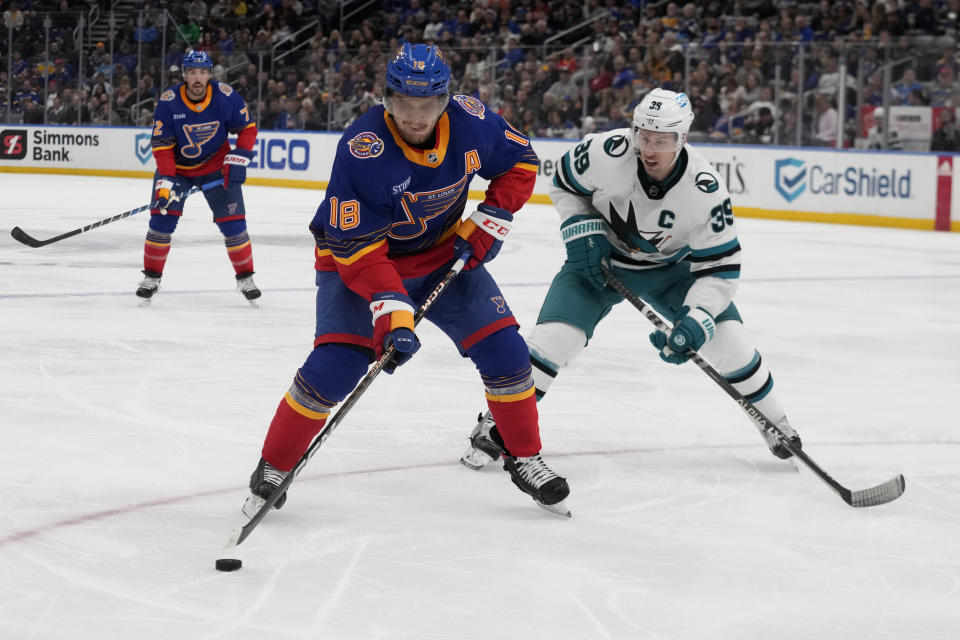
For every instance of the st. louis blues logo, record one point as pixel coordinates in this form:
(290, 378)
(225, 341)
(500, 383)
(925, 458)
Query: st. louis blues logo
(365, 145)
(198, 135)
(471, 105)
(501, 304)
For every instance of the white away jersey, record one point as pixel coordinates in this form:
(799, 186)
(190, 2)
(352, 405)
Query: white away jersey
(688, 216)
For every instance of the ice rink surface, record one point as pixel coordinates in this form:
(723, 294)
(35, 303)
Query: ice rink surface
(129, 434)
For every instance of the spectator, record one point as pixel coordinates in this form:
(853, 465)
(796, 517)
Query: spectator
(564, 86)
(946, 137)
(908, 83)
(918, 98)
(941, 95)
(826, 125)
(288, 117)
(13, 17)
(786, 130)
(830, 78)
(759, 126)
(197, 11)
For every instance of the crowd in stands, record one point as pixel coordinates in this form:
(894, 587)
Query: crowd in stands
(554, 69)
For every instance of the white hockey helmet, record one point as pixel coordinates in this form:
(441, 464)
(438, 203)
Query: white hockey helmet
(663, 110)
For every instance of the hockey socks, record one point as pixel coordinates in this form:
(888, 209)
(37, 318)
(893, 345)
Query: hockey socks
(325, 379)
(240, 251)
(155, 250)
(292, 429)
(513, 405)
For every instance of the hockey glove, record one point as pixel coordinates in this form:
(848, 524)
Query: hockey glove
(484, 232)
(235, 167)
(691, 331)
(393, 325)
(166, 191)
(587, 247)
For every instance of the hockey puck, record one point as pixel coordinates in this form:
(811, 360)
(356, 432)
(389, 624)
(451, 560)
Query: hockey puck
(228, 564)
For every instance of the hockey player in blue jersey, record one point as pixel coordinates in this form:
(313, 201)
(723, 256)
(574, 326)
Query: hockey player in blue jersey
(388, 228)
(190, 128)
(651, 207)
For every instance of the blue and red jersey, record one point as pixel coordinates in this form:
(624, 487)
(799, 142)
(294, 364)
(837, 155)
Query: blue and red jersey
(190, 138)
(391, 210)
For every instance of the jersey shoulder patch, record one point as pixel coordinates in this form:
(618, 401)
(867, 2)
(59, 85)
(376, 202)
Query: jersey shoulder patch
(168, 95)
(471, 105)
(706, 182)
(365, 145)
(225, 89)
(616, 146)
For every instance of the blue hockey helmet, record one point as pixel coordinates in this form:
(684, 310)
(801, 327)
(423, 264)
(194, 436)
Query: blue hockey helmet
(195, 59)
(418, 70)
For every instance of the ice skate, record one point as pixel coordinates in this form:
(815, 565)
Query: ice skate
(248, 288)
(776, 446)
(537, 480)
(485, 444)
(263, 482)
(148, 286)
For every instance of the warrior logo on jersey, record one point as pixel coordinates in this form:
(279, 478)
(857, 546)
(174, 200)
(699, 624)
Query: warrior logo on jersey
(471, 105)
(225, 89)
(616, 146)
(198, 135)
(365, 145)
(168, 95)
(706, 182)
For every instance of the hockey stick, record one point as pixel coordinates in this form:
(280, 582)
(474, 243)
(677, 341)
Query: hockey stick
(240, 534)
(870, 497)
(22, 236)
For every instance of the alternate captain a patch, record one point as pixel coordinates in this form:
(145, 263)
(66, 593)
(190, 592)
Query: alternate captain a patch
(471, 105)
(365, 145)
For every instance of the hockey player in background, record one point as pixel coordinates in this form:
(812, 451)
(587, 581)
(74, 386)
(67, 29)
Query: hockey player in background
(651, 208)
(388, 228)
(190, 129)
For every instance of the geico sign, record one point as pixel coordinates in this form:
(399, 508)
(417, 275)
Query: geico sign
(278, 154)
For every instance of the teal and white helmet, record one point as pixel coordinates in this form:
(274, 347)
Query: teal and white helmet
(666, 111)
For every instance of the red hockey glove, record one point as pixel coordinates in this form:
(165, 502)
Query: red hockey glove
(484, 231)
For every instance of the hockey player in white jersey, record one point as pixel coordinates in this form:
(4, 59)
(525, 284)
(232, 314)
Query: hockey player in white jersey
(650, 207)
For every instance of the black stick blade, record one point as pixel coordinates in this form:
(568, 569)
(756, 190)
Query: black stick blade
(23, 237)
(880, 494)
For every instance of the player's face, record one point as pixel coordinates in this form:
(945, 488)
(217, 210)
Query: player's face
(657, 151)
(196, 81)
(415, 117)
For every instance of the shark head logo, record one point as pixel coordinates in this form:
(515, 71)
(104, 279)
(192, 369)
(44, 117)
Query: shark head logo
(626, 229)
(789, 178)
(143, 148)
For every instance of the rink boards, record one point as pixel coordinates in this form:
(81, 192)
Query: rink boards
(894, 189)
